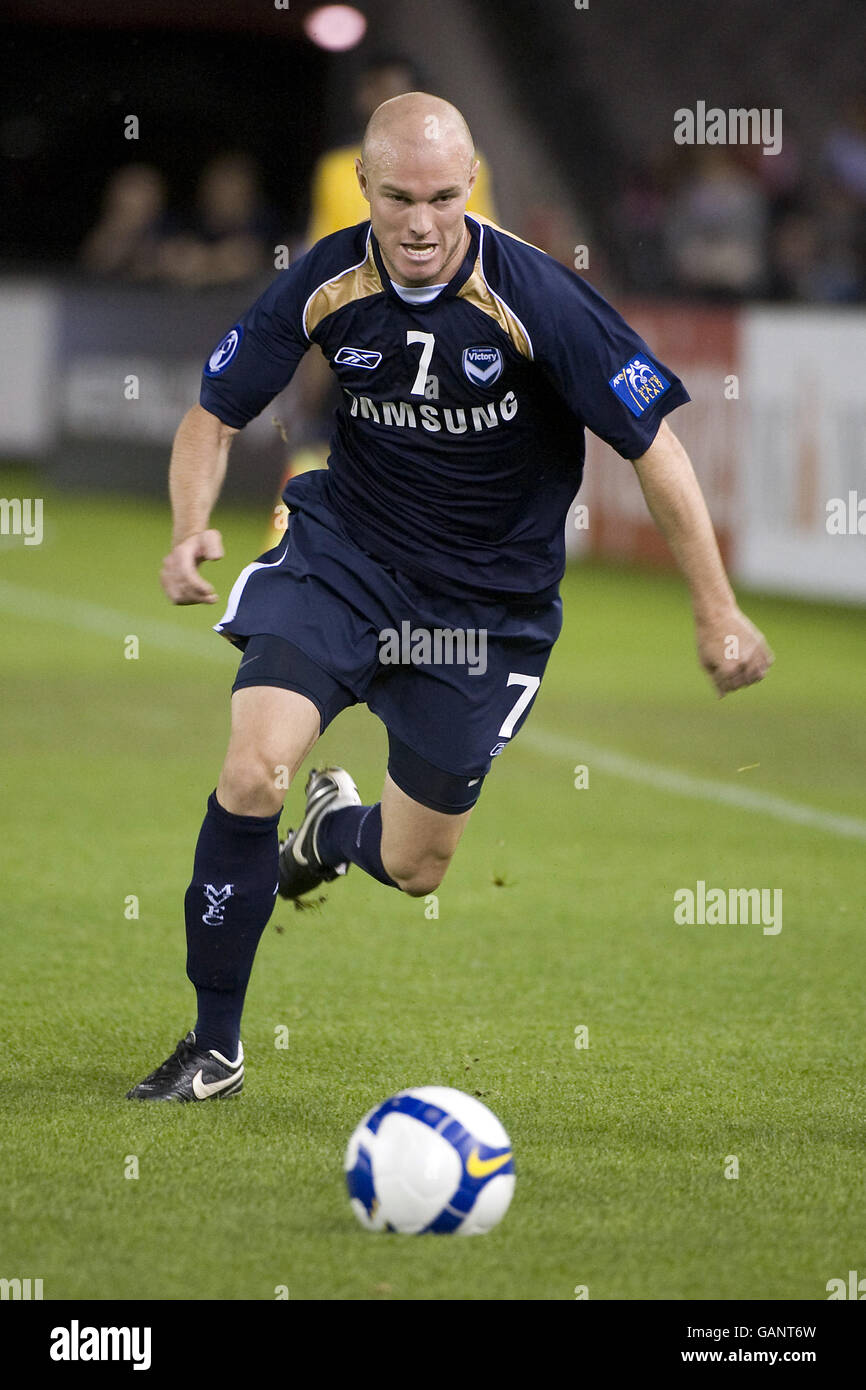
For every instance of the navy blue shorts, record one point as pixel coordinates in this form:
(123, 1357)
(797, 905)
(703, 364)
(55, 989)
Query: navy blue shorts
(451, 679)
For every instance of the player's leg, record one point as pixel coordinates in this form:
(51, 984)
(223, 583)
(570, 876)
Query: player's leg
(461, 715)
(272, 731)
(418, 843)
(407, 839)
(399, 841)
(231, 895)
(284, 695)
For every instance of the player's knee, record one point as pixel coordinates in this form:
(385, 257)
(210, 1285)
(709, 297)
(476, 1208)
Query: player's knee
(418, 885)
(252, 784)
(416, 878)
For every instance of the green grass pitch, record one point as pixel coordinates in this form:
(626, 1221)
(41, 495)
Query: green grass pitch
(706, 1043)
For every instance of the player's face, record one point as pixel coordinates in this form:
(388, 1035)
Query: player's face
(417, 204)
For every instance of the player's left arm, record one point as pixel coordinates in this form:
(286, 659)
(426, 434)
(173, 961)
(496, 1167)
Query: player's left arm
(730, 647)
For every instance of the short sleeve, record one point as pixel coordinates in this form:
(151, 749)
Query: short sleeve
(602, 368)
(257, 357)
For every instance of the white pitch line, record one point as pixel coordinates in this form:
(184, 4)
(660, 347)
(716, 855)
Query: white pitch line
(697, 788)
(87, 616)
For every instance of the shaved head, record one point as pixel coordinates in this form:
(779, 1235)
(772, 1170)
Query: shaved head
(416, 170)
(415, 123)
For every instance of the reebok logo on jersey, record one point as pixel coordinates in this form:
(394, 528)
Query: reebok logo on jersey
(358, 357)
(224, 352)
(483, 365)
(638, 383)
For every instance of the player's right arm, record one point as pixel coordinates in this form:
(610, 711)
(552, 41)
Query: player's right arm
(199, 458)
(251, 364)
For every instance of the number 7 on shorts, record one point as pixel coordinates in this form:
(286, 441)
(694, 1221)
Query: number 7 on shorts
(530, 684)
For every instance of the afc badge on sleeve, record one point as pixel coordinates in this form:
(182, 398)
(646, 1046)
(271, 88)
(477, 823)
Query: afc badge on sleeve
(638, 384)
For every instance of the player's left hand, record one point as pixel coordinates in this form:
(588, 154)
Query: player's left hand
(732, 651)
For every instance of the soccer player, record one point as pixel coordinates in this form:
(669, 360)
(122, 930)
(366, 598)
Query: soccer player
(419, 573)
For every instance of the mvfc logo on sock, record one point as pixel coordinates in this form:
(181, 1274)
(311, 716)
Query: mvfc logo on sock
(217, 898)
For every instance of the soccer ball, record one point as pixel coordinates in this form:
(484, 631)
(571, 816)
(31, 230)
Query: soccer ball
(430, 1159)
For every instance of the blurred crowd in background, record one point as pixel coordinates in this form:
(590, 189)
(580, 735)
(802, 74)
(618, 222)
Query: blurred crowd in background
(161, 163)
(711, 222)
(232, 232)
(248, 138)
(228, 234)
(732, 222)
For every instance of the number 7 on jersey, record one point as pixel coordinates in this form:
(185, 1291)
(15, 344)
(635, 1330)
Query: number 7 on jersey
(428, 340)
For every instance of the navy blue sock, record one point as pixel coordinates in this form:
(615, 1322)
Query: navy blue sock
(354, 833)
(227, 907)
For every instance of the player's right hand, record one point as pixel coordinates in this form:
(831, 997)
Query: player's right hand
(732, 651)
(179, 576)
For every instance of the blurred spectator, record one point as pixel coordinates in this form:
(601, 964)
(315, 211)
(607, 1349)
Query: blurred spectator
(336, 199)
(780, 175)
(639, 218)
(129, 234)
(818, 252)
(795, 255)
(232, 232)
(844, 153)
(841, 217)
(717, 229)
(556, 229)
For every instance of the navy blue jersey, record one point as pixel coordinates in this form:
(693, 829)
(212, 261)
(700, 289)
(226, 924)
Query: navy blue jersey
(459, 444)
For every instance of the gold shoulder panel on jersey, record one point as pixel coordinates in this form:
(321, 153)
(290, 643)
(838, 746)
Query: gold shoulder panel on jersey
(357, 282)
(488, 222)
(478, 292)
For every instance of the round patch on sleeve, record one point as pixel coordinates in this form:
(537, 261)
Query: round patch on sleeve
(224, 352)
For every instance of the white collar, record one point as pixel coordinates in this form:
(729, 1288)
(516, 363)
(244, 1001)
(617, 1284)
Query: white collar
(418, 294)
